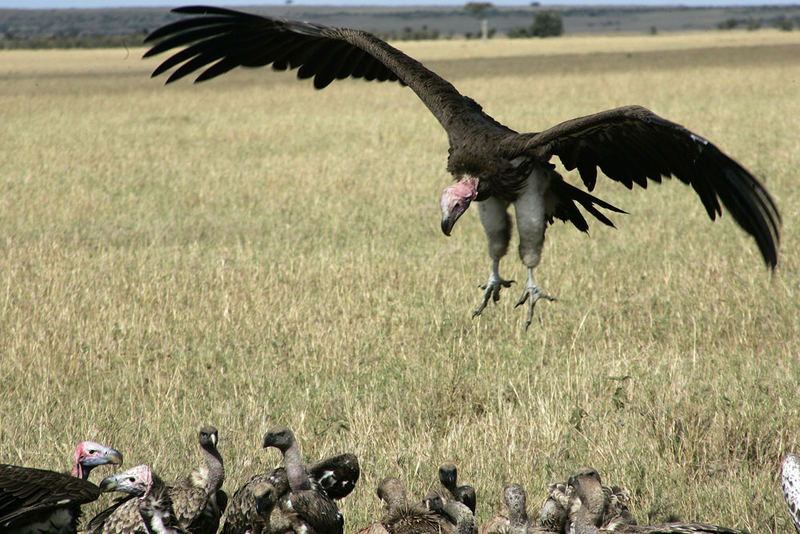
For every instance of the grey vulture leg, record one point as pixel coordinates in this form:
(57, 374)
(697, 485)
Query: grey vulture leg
(533, 293)
(492, 287)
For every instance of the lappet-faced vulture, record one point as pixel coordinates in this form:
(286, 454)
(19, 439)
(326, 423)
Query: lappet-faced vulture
(491, 163)
(49, 502)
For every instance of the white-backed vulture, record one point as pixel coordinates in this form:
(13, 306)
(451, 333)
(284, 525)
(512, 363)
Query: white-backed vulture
(252, 508)
(306, 506)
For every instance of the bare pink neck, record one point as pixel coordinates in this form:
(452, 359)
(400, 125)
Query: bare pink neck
(295, 472)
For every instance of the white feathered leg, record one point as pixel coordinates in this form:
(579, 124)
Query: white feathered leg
(497, 225)
(531, 214)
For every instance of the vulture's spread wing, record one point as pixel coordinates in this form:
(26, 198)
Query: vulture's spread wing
(219, 40)
(25, 490)
(632, 144)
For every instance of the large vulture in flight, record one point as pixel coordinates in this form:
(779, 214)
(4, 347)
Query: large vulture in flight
(491, 163)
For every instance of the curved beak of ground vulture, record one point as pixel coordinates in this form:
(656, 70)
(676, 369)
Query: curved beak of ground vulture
(447, 225)
(455, 201)
(110, 483)
(134, 481)
(107, 456)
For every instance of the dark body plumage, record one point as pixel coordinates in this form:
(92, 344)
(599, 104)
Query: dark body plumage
(306, 506)
(336, 475)
(491, 163)
(30, 495)
(43, 502)
(449, 490)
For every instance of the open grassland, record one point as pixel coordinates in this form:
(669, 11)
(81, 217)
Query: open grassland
(251, 252)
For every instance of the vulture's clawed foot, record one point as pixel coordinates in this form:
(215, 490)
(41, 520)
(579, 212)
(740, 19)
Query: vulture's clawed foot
(532, 293)
(492, 289)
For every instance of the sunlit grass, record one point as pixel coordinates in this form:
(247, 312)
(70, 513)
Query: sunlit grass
(251, 252)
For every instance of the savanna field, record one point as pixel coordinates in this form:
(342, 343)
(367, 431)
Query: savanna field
(250, 252)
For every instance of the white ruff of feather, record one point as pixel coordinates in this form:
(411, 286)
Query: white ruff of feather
(790, 479)
(160, 517)
(199, 477)
(157, 524)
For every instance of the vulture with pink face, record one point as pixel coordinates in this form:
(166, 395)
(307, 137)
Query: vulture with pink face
(151, 498)
(49, 502)
(197, 501)
(492, 164)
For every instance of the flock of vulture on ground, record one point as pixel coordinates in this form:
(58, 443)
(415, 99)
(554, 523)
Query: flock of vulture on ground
(300, 498)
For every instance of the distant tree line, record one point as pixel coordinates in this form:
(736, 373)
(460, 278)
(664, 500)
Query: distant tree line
(546, 23)
(410, 34)
(782, 23)
(11, 42)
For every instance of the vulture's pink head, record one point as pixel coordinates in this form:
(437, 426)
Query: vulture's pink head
(90, 454)
(455, 201)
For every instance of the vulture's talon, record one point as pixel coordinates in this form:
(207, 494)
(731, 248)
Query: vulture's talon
(533, 293)
(491, 289)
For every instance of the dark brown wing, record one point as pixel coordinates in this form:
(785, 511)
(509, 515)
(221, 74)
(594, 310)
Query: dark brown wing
(314, 509)
(632, 144)
(337, 475)
(25, 490)
(219, 40)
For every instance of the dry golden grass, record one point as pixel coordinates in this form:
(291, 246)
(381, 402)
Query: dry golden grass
(251, 252)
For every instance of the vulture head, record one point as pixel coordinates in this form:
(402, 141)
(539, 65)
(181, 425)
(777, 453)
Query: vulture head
(135, 481)
(392, 492)
(208, 437)
(266, 496)
(433, 503)
(448, 475)
(279, 437)
(90, 454)
(586, 471)
(455, 201)
(515, 499)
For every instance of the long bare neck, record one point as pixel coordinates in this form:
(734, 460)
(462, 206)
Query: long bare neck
(295, 471)
(216, 470)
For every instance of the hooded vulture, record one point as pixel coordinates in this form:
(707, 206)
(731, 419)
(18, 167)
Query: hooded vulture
(492, 164)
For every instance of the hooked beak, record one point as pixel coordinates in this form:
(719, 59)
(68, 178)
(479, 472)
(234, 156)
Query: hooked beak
(455, 201)
(109, 483)
(111, 456)
(447, 224)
